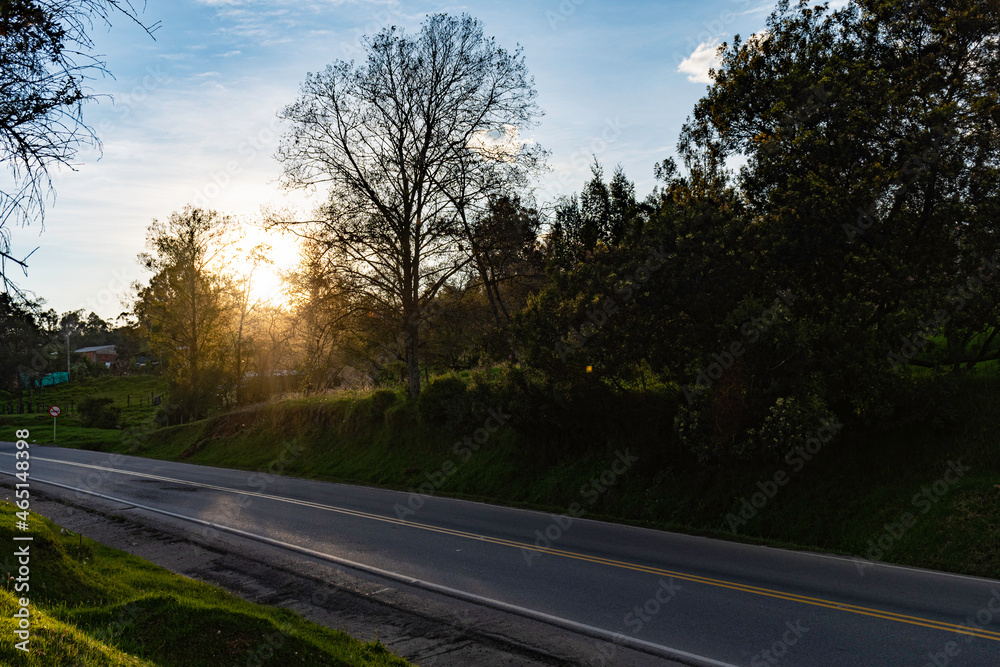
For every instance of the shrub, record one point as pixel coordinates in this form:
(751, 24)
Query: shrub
(382, 400)
(557, 415)
(99, 413)
(702, 427)
(790, 422)
(401, 416)
(934, 402)
(444, 402)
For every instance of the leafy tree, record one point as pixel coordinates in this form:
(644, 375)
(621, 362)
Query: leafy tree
(85, 331)
(652, 303)
(561, 241)
(324, 321)
(624, 210)
(242, 307)
(130, 344)
(506, 256)
(602, 214)
(871, 179)
(49, 321)
(20, 341)
(595, 211)
(182, 308)
(464, 332)
(407, 142)
(273, 358)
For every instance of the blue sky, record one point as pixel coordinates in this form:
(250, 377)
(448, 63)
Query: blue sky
(194, 113)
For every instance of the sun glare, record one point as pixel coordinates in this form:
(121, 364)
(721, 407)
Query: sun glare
(259, 257)
(267, 287)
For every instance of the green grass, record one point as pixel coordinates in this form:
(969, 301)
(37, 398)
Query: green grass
(118, 388)
(96, 606)
(126, 392)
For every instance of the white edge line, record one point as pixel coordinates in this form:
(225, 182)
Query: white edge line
(589, 630)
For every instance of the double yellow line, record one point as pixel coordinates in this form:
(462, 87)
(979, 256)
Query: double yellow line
(720, 583)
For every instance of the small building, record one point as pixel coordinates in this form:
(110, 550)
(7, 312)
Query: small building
(100, 354)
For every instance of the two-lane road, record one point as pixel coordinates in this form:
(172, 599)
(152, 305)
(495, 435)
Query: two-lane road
(698, 600)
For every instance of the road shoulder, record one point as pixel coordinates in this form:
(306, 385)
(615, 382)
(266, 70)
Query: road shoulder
(427, 628)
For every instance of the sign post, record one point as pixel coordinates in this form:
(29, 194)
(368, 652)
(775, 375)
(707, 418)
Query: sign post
(54, 411)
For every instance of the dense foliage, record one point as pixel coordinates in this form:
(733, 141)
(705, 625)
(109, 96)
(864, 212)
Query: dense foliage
(855, 241)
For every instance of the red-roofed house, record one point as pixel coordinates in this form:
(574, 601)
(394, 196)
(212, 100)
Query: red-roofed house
(100, 354)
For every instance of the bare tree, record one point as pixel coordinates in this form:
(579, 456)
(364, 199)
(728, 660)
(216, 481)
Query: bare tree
(45, 62)
(407, 142)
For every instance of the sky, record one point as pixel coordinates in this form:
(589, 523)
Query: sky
(190, 117)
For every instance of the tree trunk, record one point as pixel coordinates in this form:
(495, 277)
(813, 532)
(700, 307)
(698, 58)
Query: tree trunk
(412, 353)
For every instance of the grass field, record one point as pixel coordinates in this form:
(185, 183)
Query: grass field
(132, 394)
(96, 606)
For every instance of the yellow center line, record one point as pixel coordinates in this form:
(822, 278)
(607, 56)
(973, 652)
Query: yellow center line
(719, 583)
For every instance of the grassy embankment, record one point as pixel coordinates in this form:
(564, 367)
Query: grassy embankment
(839, 501)
(96, 606)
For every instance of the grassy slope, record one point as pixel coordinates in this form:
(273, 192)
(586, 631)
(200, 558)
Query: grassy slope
(97, 606)
(839, 502)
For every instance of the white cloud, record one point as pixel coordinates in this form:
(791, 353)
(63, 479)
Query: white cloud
(696, 65)
(765, 8)
(496, 145)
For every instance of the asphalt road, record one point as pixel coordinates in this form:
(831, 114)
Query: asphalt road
(696, 600)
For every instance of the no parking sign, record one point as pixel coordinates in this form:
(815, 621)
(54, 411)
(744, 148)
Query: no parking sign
(55, 411)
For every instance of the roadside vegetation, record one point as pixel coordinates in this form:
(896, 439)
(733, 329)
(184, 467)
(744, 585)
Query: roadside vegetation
(96, 606)
(848, 497)
(800, 350)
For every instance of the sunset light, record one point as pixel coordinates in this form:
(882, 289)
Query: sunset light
(258, 258)
(500, 333)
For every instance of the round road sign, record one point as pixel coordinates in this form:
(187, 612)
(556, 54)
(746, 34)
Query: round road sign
(54, 411)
